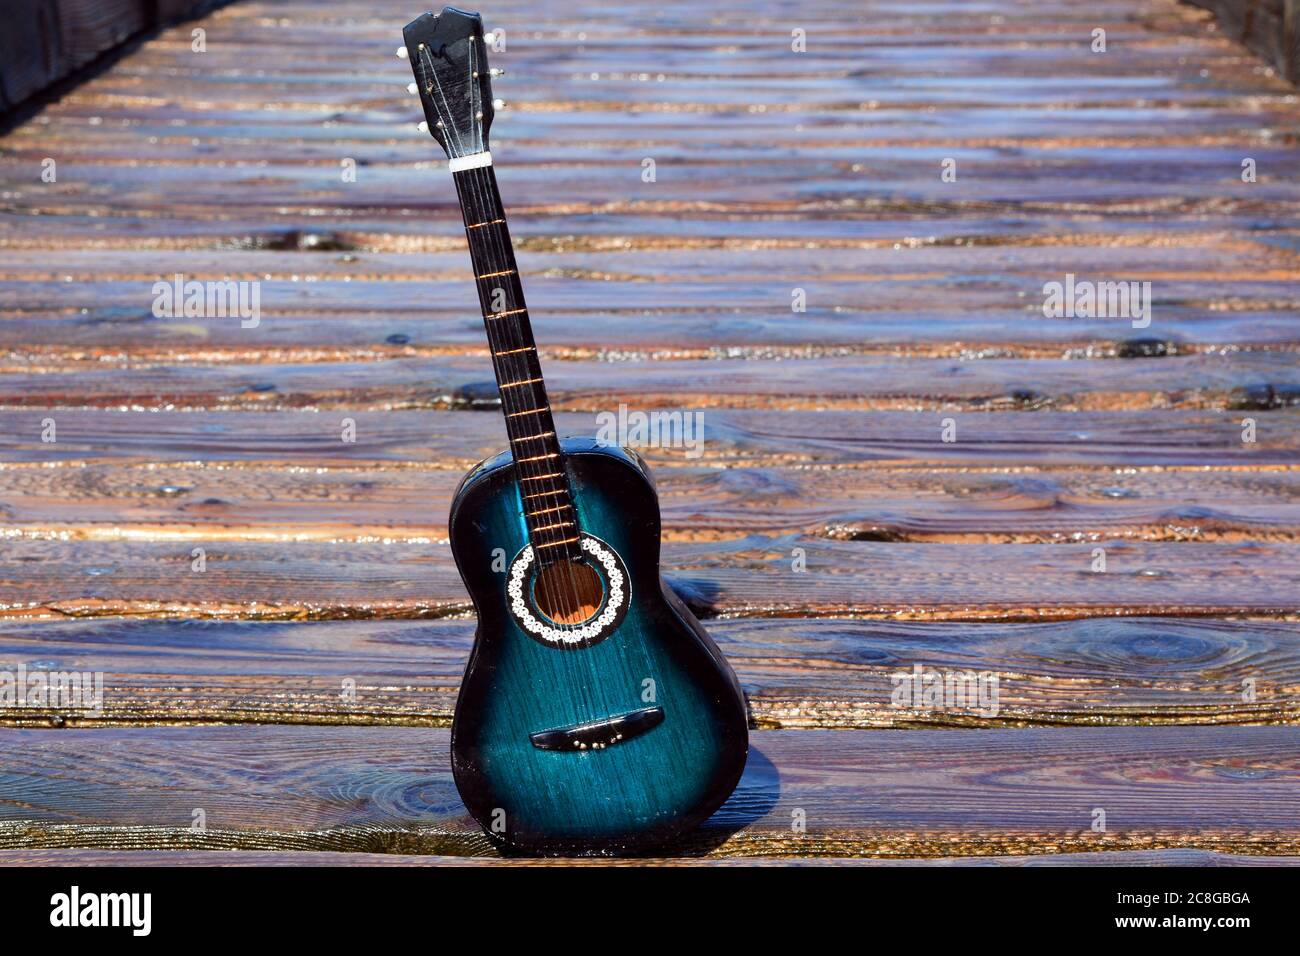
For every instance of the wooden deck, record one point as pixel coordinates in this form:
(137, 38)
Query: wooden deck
(327, 562)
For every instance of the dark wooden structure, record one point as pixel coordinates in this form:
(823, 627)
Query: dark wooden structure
(296, 682)
(1270, 27)
(45, 41)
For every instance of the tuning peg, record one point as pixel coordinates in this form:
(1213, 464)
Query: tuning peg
(498, 104)
(495, 72)
(412, 88)
(401, 53)
(423, 127)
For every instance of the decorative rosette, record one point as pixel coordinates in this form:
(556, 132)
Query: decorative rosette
(599, 627)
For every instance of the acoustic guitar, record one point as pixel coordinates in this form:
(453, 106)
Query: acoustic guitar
(596, 716)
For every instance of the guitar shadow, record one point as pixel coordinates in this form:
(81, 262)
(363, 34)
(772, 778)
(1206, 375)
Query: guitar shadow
(699, 595)
(754, 798)
(759, 789)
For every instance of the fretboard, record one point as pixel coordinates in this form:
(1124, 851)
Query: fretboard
(539, 463)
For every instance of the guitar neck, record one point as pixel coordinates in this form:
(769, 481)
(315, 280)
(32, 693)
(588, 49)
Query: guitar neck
(543, 482)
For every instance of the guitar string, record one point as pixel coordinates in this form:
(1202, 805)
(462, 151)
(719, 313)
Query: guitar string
(426, 56)
(560, 496)
(478, 186)
(482, 181)
(512, 366)
(481, 185)
(476, 129)
(519, 368)
(505, 367)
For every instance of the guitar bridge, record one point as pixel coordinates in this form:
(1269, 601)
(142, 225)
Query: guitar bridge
(599, 734)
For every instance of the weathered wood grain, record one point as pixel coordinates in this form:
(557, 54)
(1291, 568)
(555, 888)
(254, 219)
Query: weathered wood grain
(977, 302)
(862, 793)
(1121, 441)
(278, 194)
(673, 322)
(775, 171)
(1196, 381)
(795, 673)
(268, 500)
(786, 576)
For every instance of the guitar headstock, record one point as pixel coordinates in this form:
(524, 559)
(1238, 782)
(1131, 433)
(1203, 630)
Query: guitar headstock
(452, 78)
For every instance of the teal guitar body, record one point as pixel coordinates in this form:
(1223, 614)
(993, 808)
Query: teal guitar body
(594, 795)
(596, 716)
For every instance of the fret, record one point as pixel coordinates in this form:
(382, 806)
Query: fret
(545, 494)
(493, 275)
(534, 514)
(528, 411)
(524, 461)
(501, 315)
(554, 474)
(526, 348)
(527, 381)
(556, 544)
(480, 225)
(558, 524)
(533, 437)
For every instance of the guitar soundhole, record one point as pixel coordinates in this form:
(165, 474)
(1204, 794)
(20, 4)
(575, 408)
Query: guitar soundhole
(568, 592)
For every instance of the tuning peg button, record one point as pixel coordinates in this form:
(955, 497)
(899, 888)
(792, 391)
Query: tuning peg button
(495, 72)
(401, 53)
(412, 88)
(498, 104)
(423, 127)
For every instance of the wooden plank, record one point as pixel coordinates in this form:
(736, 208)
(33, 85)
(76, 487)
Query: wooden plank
(748, 223)
(1218, 382)
(279, 190)
(266, 500)
(694, 329)
(300, 858)
(861, 793)
(789, 576)
(795, 673)
(929, 301)
(732, 437)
